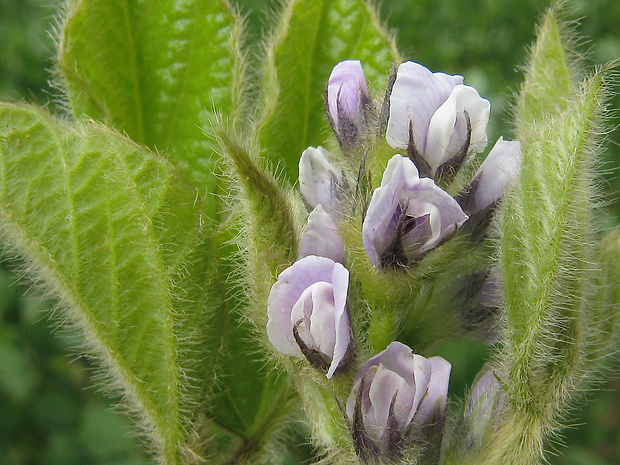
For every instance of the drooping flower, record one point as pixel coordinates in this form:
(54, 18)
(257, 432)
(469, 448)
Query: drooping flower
(437, 119)
(498, 170)
(407, 216)
(320, 181)
(394, 395)
(347, 101)
(308, 313)
(321, 237)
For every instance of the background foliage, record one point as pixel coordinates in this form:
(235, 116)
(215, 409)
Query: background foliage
(50, 413)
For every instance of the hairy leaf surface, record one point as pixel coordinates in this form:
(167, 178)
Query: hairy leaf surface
(113, 232)
(155, 70)
(547, 254)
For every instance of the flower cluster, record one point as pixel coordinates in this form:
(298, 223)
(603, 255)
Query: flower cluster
(439, 124)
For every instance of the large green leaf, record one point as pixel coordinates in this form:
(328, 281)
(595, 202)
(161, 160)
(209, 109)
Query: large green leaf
(546, 251)
(113, 232)
(312, 37)
(159, 71)
(548, 83)
(155, 70)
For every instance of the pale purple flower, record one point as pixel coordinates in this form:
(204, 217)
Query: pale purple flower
(407, 216)
(395, 392)
(321, 237)
(321, 182)
(436, 118)
(498, 170)
(347, 100)
(308, 314)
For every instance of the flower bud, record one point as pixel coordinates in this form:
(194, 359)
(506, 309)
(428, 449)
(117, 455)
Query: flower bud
(308, 314)
(407, 216)
(483, 406)
(347, 101)
(321, 237)
(395, 394)
(320, 181)
(484, 395)
(498, 170)
(437, 119)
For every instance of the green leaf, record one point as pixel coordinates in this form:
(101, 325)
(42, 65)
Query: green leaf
(311, 38)
(112, 231)
(251, 396)
(549, 270)
(157, 71)
(548, 225)
(548, 83)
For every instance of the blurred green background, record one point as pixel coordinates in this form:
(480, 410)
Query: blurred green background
(51, 411)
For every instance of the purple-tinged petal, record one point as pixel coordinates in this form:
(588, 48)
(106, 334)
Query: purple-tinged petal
(320, 182)
(285, 293)
(484, 393)
(346, 91)
(498, 170)
(321, 237)
(416, 95)
(461, 121)
(310, 298)
(433, 406)
(391, 391)
(379, 226)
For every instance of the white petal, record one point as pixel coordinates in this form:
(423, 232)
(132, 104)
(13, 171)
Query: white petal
(416, 95)
(342, 325)
(302, 310)
(385, 384)
(448, 128)
(436, 390)
(321, 237)
(323, 318)
(498, 170)
(449, 212)
(319, 180)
